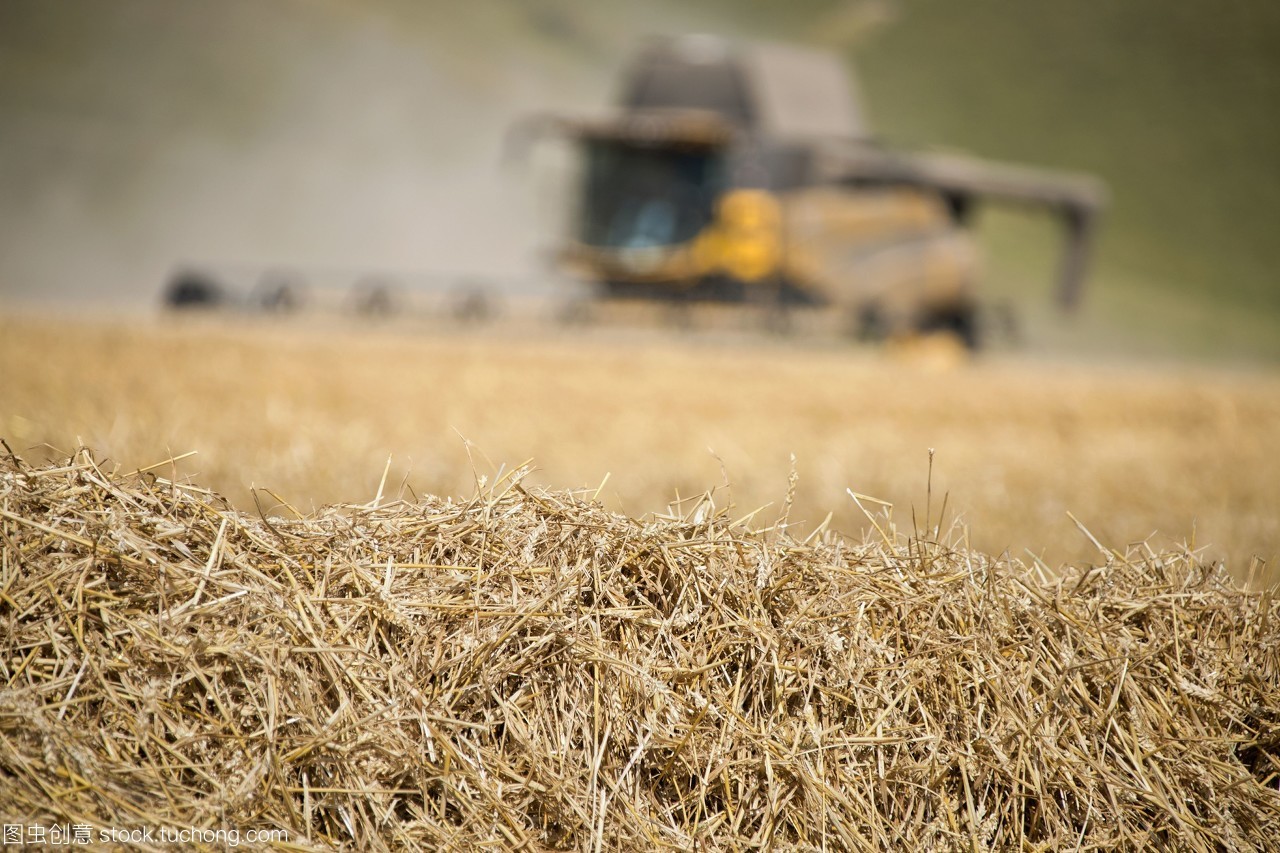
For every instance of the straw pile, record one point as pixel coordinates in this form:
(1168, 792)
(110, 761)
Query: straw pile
(526, 670)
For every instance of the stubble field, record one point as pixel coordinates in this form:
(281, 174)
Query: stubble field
(523, 669)
(1171, 455)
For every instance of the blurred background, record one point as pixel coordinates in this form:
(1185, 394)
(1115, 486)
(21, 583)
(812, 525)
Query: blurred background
(137, 135)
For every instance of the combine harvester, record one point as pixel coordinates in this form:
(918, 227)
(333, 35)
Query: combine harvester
(744, 174)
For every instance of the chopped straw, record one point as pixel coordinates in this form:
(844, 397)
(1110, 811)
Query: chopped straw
(525, 670)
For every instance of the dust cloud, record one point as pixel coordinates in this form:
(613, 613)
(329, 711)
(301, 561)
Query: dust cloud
(143, 135)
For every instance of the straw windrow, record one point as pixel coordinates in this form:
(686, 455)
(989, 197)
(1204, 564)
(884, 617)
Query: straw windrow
(527, 670)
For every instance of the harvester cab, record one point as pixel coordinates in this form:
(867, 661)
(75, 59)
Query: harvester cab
(745, 172)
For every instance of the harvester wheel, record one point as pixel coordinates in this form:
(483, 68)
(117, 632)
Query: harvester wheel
(193, 290)
(961, 321)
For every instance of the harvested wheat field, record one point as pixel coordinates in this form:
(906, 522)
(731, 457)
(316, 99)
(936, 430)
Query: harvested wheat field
(1174, 456)
(523, 669)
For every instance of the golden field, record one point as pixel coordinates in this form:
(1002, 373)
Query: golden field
(312, 412)
(524, 669)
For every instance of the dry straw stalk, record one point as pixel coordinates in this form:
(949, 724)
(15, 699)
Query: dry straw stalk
(528, 671)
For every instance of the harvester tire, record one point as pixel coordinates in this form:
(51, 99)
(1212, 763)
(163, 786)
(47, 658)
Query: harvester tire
(193, 290)
(961, 321)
